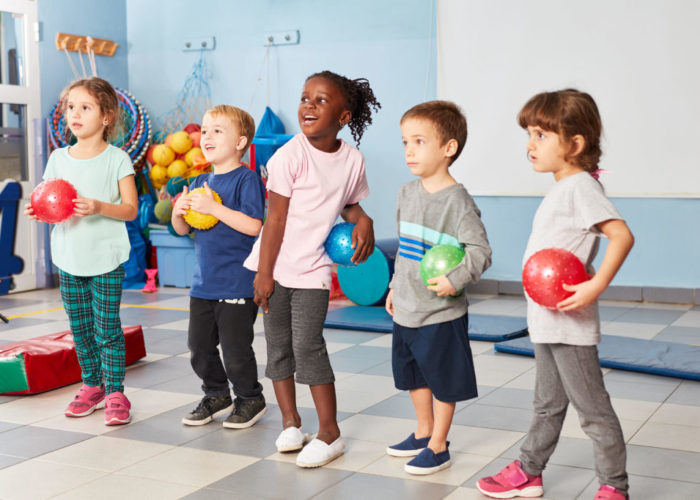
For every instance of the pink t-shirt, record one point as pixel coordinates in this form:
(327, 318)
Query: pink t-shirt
(319, 185)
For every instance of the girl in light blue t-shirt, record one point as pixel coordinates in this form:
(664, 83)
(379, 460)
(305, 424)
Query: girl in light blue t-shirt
(90, 247)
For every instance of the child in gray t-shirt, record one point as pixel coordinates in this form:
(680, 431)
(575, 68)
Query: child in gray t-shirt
(564, 130)
(431, 357)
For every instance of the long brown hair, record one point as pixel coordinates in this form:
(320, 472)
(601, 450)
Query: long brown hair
(106, 97)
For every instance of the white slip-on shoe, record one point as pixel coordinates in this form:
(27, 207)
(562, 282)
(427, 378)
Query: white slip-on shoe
(291, 439)
(318, 453)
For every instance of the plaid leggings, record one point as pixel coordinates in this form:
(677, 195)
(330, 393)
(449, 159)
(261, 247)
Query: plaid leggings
(92, 304)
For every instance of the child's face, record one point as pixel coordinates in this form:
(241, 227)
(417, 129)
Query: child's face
(425, 155)
(547, 152)
(83, 114)
(221, 140)
(322, 109)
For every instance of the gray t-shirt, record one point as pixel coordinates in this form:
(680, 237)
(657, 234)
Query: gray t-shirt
(424, 219)
(567, 219)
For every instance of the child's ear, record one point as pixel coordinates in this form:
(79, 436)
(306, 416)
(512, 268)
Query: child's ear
(578, 144)
(451, 148)
(242, 142)
(345, 118)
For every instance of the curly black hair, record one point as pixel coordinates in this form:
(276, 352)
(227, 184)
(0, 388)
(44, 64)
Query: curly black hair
(359, 97)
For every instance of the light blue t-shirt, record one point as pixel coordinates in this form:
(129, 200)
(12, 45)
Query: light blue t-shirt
(92, 245)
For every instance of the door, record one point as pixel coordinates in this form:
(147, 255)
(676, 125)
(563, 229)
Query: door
(20, 126)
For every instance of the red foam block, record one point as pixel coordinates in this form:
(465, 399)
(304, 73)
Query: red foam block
(50, 361)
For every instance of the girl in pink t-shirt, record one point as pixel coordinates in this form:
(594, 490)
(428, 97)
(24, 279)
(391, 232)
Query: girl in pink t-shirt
(312, 179)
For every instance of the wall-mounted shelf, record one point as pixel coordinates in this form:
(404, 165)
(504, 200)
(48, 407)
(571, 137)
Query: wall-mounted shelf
(81, 43)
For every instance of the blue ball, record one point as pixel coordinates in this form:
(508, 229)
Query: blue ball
(338, 244)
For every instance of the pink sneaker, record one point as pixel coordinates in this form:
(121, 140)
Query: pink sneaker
(511, 482)
(86, 401)
(609, 493)
(117, 409)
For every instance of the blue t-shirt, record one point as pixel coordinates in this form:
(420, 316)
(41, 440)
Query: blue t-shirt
(221, 250)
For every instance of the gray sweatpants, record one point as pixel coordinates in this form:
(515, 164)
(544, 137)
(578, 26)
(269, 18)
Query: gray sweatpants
(572, 373)
(294, 335)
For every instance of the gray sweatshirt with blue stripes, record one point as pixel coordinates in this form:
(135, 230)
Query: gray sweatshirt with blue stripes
(424, 219)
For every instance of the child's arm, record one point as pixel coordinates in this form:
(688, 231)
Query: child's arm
(270, 244)
(179, 211)
(205, 203)
(621, 241)
(362, 235)
(128, 209)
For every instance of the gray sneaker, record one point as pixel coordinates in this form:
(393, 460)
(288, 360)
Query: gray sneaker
(208, 408)
(245, 413)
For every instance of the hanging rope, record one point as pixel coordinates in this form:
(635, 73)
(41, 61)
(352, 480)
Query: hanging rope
(264, 65)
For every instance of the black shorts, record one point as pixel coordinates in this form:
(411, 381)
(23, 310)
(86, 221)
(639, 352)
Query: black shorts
(435, 356)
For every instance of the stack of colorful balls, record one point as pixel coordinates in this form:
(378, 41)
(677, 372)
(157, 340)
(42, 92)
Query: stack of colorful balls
(173, 165)
(178, 157)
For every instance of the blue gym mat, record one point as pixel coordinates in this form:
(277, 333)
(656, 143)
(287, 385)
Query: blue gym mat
(624, 353)
(376, 319)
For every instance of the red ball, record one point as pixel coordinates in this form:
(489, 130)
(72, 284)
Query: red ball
(52, 200)
(547, 270)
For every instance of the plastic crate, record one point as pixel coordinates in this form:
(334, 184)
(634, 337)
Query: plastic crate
(175, 256)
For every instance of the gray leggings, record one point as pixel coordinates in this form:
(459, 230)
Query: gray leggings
(572, 373)
(294, 335)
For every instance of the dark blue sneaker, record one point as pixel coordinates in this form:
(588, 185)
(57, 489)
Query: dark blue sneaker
(409, 447)
(428, 462)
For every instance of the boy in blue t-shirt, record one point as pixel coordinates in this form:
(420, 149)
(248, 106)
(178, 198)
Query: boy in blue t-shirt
(222, 310)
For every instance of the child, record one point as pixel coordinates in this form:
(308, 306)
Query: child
(312, 179)
(430, 347)
(222, 310)
(91, 246)
(564, 130)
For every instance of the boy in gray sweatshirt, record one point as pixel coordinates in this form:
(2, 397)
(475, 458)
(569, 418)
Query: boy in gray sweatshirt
(431, 356)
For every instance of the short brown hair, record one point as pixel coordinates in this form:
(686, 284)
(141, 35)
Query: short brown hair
(239, 118)
(106, 98)
(567, 112)
(446, 117)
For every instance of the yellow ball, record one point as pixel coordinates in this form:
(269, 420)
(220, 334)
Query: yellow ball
(159, 174)
(180, 142)
(198, 220)
(177, 169)
(193, 156)
(163, 155)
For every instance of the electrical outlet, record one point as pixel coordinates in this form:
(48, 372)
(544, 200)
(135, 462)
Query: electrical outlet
(199, 43)
(290, 37)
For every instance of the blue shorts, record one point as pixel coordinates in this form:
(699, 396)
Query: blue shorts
(435, 356)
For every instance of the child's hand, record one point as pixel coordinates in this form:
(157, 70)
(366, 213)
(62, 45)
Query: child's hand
(203, 203)
(362, 240)
(263, 286)
(585, 293)
(389, 305)
(441, 285)
(182, 204)
(29, 211)
(86, 206)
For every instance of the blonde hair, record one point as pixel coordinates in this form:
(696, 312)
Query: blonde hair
(106, 98)
(239, 118)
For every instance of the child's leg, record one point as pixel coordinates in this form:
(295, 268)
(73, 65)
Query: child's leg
(423, 403)
(106, 299)
(309, 307)
(202, 339)
(280, 355)
(550, 405)
(444, 411)
(77, 301)
(583, 380)
(235, 325)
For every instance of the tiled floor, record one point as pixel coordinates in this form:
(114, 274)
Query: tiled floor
(46, 455)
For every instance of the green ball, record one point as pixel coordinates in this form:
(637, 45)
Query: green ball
(439, 260)
(175, 185)
(163, 210)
